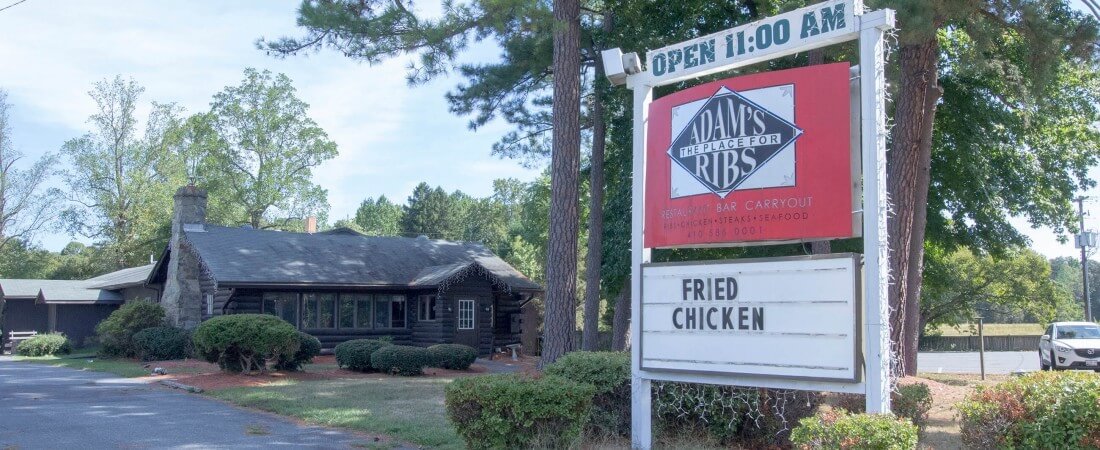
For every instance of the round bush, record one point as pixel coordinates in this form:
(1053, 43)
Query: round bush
(355, 354)
(609, 374)
(1037, 410)
(746, 417)
(162, 343)
(452, 356)
(245, 342)
(115, 333)
(45, 345)
(838, 429)
(910, 401)
(308, 347)
(401, 359)
(512, 411)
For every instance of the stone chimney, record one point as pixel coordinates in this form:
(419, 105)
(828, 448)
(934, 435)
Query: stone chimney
(182, 297)
(311, 224)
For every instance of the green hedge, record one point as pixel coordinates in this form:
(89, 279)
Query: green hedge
(162, 343)
(513, 411)
(355, 354)
(401, 359)
(911, 401)
(45, 345)
(452, 356)
(609, 374)
(308, 347)
(1038, 410)
(838, 429)
(245, 342)
(116, 332)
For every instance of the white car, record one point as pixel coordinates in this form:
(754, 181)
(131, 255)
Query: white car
(1070, 345)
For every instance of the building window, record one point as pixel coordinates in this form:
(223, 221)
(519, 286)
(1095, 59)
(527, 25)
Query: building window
(318, 310)
(465, 314)
(355, 311)
(283, 305)
(426, 308)
(397, 311)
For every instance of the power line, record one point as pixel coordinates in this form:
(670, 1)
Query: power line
(13, 4)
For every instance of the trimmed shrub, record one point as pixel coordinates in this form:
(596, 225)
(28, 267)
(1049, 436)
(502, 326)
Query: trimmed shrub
(308, 347)
(245, 342)
(452, 356)
(162, 343)
(911, 401)
(401, 359)
(609, 374)
(1037, 410)
(355, 354)
(116, 332)
(45, 345)
(514, 411)
(838, 429)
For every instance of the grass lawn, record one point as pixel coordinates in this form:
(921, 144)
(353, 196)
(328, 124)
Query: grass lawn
(995, 329)
(86, 359)
(407, 409)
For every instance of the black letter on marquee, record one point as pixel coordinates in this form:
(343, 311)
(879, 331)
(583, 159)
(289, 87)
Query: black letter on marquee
(699, 286)
(687, 287)
(710, 317)
(727, 318)
(675, 322)
(758, 318)
(742, 317)
(731, 288)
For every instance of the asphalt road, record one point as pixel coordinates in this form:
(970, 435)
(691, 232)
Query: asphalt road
(968, 362)
(44, 407)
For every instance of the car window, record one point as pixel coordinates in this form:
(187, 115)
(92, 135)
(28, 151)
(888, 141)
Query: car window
(1078, 332)
(1050, 330)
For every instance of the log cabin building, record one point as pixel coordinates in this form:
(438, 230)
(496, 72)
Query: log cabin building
(339, 285)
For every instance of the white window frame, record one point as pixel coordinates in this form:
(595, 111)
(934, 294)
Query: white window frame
(466, 317)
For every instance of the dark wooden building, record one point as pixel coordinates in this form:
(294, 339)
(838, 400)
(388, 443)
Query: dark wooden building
(340, 285)
(72, 307)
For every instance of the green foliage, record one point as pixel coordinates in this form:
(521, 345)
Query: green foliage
(401, 359)
(379, 217)
(45, 345)
(512, 411)
(731, 415)
(452, 356)
(609, 374)
(356, 353)
(433, 213)
(909, 401)
(308, 347)
(115, 333)
(1037, 410)
(256, 151)
(127, 179)
(27, 203)
(162, 343)
(245, 342)
(840, 430)
(1015, 286)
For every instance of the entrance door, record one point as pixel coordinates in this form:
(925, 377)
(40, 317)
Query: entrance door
(466, 322)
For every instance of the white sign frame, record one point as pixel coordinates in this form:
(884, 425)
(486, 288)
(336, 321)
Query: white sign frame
(869, 28)
(839, 270)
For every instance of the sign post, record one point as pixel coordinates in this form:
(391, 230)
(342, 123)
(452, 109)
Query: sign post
(820, 25)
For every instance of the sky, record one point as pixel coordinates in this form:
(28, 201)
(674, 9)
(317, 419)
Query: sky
(390, 136)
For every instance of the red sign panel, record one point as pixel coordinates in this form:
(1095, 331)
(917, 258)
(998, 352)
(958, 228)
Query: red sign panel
(757, 158)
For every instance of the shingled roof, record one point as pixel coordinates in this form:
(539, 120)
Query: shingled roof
(101, 289)
(244, 256)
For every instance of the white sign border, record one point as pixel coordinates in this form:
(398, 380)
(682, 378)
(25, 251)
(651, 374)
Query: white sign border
(754, 380)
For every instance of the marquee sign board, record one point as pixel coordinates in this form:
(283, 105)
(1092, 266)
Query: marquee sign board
(759, 158)
(746, 318)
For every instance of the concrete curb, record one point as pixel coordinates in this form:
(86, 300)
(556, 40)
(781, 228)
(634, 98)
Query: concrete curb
(181, 386)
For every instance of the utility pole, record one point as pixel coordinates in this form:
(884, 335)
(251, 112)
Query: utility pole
(1084, 240)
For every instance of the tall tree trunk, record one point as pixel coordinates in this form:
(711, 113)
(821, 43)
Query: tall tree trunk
(561, 252)
(908, 178)
(593, 264)
(621, 322)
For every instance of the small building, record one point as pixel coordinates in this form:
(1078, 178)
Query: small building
(340, 285)
(72, 307)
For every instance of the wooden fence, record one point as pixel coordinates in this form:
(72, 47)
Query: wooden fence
(971, 343)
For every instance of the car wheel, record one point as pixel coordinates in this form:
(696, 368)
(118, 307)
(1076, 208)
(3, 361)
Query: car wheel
(1042, 365)
(1053, 364)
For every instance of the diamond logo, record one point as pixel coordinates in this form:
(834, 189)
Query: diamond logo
(729, 139)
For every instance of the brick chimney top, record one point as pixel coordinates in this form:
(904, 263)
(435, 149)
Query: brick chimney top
(311, 224)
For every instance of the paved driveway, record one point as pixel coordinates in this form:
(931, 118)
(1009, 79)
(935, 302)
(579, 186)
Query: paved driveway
(968, 362)
(52, 407)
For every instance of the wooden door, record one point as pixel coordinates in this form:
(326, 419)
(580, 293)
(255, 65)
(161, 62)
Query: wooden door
(466, 330)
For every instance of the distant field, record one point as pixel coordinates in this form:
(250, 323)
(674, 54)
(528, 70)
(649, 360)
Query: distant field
(995, 329)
